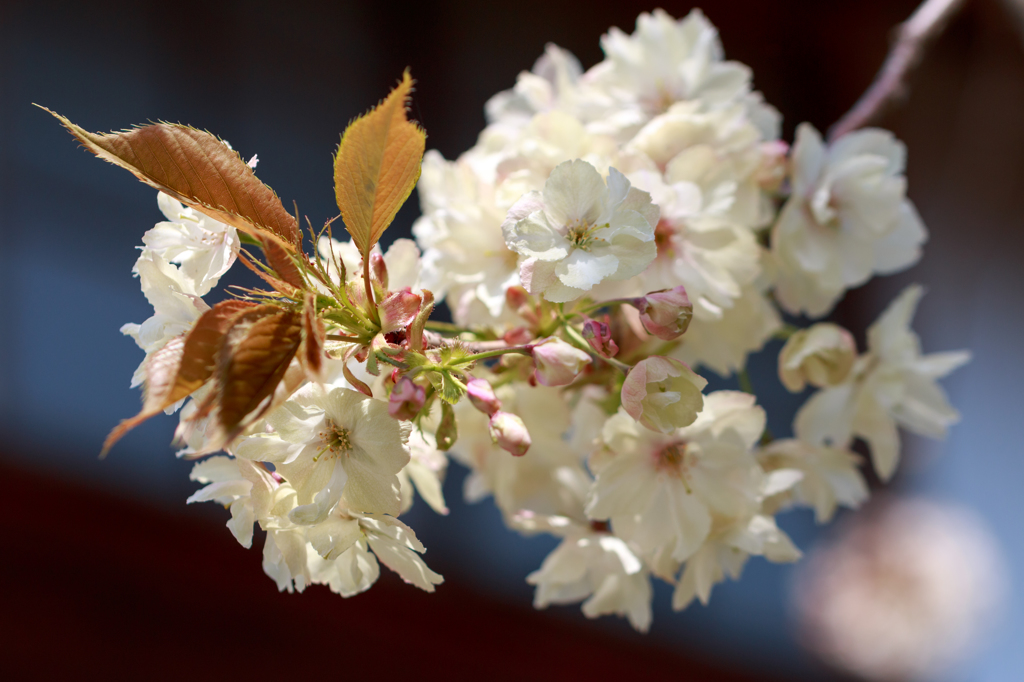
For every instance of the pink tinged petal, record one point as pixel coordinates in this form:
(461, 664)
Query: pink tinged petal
(663, 393)
(406, 400)
(398, 310)
(557, 362)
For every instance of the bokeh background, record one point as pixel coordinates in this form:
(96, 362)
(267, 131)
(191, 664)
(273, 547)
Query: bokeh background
(106, 569)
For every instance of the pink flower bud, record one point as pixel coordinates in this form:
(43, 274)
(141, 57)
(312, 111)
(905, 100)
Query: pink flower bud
(665, 314)
(379, 270)
(482, 396)
(406, 399)
(509, 433)
(516, 297)
(663, 394)
(821, 355)
(599, 336)
(557, 362)
(518, 336)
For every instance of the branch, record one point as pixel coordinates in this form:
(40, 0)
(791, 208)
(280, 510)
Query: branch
(925, 23)
(435, 340)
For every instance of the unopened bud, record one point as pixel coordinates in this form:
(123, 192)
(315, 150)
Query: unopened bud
(665, 314)
(517, 336)
(663, 394)
(557, 362)
(406, 399)
(599, 336)
(379, 270)
(821, 355)
(509, 433)
(516, 297)
(448, 430)
(482, 396)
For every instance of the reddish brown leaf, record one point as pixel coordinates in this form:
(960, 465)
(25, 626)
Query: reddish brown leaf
(279, 285)
(252, 361)
(282, 263)
(199, 170)
(313, 334)
(181, 366)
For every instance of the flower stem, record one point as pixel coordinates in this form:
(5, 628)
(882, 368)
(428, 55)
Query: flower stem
(744, 380)
(524, 350)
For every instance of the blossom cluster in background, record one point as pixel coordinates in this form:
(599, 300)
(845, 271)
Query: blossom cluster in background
(613, 234)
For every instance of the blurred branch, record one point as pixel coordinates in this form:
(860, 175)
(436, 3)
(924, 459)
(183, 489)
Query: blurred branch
(927, 21)
(1016, 8)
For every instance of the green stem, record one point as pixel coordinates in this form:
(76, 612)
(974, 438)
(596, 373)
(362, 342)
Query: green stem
(787, 331)
(602, 304)
(744, 380)
(384, 357)
(524, 350)
(583, 345)
(437, 326)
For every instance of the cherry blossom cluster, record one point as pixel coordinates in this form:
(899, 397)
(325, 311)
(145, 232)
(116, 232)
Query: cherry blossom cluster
(614, 234)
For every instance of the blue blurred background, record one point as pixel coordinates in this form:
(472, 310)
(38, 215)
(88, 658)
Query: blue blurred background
(282, 80)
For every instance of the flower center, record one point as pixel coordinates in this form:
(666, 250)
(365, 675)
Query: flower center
(337, 440)
(581, 234)
(675, 459)
(663, 238)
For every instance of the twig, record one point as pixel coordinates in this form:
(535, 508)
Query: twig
(435, 340)
(925, 23)
(1016, 9)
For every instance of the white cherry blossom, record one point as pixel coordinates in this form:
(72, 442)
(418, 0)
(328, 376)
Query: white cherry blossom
(334, 444)
(578, 232)
(203, 247)
(176, 306)
(892, 384)
(847, 218)
(663, 62)
(592, 566)
(659, 490)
